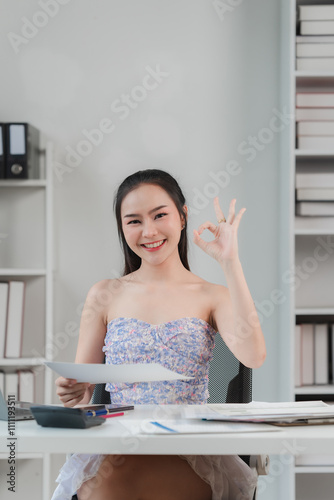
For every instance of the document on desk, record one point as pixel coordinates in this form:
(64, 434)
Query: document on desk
(258, 412)
(98, 373)
(181, 426)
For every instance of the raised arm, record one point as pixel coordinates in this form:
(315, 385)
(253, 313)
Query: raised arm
(233, 308)
(91, 338)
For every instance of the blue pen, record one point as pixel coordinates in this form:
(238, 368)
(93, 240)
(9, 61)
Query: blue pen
(97, 413)
(163, 427)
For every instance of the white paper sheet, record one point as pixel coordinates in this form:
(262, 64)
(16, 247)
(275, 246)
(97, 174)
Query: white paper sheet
(96, 373)
(178, 426)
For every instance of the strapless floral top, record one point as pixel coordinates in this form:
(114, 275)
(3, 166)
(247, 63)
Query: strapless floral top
(183, 345)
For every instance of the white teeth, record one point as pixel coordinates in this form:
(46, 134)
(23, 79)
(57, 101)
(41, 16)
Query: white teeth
(154, 245)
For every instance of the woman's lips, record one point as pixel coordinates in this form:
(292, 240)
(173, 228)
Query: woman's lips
(153, 249)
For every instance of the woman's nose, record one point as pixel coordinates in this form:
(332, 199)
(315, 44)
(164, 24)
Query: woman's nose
(149, 229)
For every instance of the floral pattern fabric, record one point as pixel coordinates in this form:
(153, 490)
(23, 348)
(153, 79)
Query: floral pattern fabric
(185, 346)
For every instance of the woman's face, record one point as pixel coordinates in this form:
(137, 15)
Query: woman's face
(151, 223)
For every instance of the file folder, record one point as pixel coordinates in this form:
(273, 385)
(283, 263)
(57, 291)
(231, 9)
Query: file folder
(2, 151)
(22, 151)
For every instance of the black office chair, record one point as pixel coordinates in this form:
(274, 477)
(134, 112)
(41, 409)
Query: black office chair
(229, 382)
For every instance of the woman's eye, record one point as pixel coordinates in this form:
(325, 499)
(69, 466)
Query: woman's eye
(133, 221)
(160, 215)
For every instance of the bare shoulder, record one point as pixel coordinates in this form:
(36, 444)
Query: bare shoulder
(99, 298)
(213, 296)
(212, 290)
(98, 287)
(106, 287)
(218, 295)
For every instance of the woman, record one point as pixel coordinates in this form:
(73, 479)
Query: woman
(161, 312)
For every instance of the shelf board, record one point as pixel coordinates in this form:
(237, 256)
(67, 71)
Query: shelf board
(314, 153)
(22, 272)
(310, 232)
(314, 74)
(320, 469)
(304, 311)
(21, 361)
(23, 183)
(315, 389)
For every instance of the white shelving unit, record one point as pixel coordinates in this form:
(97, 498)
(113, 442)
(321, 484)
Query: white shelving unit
(26, 254)
(313, 299)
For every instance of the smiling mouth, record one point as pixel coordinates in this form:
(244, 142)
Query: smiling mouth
(156, 244)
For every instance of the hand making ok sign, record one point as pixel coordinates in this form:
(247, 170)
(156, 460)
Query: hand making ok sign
(224, 247)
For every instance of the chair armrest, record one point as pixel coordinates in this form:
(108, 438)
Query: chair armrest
(260, 463)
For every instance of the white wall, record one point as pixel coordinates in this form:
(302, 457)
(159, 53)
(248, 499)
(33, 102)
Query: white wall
(221, 88)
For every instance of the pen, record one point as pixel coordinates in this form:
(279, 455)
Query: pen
(113, 415)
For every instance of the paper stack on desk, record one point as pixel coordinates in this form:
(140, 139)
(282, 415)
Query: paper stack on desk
(287, 413)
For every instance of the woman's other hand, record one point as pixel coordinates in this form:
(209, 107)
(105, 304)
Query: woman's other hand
(69, 391)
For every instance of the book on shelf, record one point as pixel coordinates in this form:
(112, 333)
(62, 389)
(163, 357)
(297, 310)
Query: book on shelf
(2, 382)
(315, 128)
(11, 384)
(3, 316)
(315, 99)
(317, 194)
(321, 354)
(314, 354)
(315, 63)
(331, 348)
(319, 178)
(301, 39)
(320, 114)
(307, 354)
(315, 12)
(325, 27)
(315, 49)
(2, 151)
(26, 382)
(21, 383)
(316, 142)
(322, 208)
(298, 378)
(14, 329)
(315, 224)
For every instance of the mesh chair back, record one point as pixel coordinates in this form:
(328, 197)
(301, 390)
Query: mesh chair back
(100, 395)
(229, 380)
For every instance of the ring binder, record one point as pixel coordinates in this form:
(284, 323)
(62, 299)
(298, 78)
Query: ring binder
(22, 151)
(2, 151)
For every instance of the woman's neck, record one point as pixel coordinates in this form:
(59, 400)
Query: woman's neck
(166, 272)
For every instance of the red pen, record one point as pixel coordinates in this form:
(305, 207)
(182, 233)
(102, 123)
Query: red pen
(109, 415)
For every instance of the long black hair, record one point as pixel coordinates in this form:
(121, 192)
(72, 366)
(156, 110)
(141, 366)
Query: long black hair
(167, 182)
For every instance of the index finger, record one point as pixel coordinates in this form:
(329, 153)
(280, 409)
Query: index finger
(218, 210)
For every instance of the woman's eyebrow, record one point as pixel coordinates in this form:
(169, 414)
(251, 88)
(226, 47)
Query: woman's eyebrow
(150, 212)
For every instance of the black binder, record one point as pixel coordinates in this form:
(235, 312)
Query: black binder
(22, 151)
(2, 151)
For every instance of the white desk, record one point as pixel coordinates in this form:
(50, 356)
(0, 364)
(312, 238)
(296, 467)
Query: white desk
(112, 437)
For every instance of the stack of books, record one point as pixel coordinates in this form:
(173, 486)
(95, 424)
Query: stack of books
(315, 190)
(314, 354)
(315, 45)
(20, 383)
(315, 120)
(11, 318)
